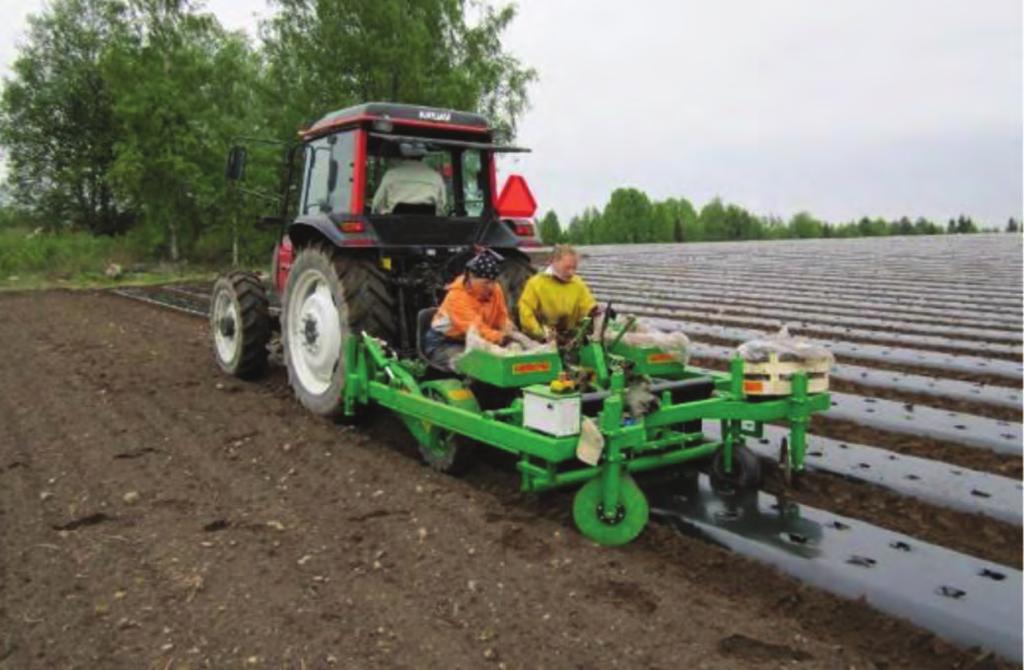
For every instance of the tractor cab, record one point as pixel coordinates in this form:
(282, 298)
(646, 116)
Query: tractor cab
(404, 177)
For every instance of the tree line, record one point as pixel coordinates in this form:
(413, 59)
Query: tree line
(631, 217)
(118, 114)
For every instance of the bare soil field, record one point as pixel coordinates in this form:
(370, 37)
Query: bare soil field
(155, 514)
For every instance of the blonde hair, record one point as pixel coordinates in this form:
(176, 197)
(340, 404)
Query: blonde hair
(562, 250)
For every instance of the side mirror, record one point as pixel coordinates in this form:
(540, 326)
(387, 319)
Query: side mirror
(236, 163)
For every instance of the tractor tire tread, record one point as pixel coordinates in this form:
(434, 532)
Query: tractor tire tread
(254, 307)
(370, 303)
(368, 306)
(516, 270)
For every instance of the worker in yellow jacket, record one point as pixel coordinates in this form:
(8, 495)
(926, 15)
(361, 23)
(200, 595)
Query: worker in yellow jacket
(555, 301)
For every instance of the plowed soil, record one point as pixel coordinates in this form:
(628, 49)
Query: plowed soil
(155, 514)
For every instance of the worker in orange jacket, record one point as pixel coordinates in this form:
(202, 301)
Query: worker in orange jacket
(474, 301)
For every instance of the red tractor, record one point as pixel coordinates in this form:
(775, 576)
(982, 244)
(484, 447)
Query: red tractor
(364, 250)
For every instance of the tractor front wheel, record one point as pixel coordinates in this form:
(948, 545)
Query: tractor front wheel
(610, 527)
(240, 324)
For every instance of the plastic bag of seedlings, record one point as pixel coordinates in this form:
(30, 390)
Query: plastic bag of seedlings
(787, 348)
(518, 344)
(673, 342)
(591, 443)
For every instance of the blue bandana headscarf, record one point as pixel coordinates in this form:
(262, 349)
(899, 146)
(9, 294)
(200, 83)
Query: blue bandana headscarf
(485, 264)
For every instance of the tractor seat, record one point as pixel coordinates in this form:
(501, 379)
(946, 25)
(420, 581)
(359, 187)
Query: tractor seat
(423, 319)
(414, 209)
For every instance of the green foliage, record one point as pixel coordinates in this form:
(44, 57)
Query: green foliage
(550, 229)
(64, 254)
(630, 216)
(12, 216)
(804, 225)
(180, 86)
(581, 228)
(961, 225)
(57, 121)
(676, 221)
(923, 226)
(741, 224)
(326, 54)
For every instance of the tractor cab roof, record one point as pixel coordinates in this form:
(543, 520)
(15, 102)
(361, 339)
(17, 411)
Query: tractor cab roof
(386, 114)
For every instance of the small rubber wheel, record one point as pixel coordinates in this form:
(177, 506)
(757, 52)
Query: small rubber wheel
(746, 471)
(615, 527)
(240, 325)
(447, 452)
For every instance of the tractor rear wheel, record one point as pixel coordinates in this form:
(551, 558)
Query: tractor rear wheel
(240, 324)
(329, 297)
(515, 271)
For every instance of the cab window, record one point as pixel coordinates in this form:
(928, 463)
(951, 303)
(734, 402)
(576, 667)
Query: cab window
(460, 169)
(329, 166)
(473, 179)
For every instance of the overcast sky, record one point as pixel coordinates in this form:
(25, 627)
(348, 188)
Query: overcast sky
(843, 108)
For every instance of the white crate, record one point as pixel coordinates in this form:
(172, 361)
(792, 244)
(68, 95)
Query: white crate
(774, 378)
(550, 413)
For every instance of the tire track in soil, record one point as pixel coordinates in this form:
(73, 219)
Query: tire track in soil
(487, 570)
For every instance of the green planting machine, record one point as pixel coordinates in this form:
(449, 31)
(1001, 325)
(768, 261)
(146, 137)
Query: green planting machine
(534, 406)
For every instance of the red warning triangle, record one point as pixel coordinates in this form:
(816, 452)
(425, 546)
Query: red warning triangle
(516, 200)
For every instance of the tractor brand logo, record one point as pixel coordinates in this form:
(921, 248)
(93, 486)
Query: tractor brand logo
(662, 357)
(527, 368)
(433, 115)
